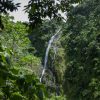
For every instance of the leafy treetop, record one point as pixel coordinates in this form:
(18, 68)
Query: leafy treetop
(40, 9)
(7, 5)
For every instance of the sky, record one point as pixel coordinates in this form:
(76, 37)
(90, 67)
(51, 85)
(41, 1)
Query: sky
(20, 15)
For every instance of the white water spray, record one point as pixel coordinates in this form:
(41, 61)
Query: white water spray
(47, 52)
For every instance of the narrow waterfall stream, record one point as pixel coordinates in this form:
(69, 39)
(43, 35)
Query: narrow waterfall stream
(47, 52)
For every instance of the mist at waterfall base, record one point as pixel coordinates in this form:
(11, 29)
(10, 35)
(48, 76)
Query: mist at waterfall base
(54, 37)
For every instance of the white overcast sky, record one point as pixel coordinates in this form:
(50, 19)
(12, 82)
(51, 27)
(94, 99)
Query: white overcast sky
(20, 15)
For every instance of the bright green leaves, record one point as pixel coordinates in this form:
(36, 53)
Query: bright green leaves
(30, 86)
(19, 68)
(19, 83)
(4, 66)
(17, 96)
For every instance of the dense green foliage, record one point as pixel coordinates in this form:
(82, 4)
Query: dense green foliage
(82, 76)
(7, 5)
(73, 67)
(40, 35)
(18, 80)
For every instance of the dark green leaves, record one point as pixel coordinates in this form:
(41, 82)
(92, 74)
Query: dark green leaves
(83, 52)
(40, 9)
(7, 5)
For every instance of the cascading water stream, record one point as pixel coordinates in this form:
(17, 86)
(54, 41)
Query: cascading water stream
(47, 52)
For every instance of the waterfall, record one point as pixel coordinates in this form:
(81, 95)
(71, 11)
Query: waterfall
(47, 52)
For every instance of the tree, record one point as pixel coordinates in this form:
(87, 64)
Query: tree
(18, 67)
(7, 5)
(82, 79)
(40, 9)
